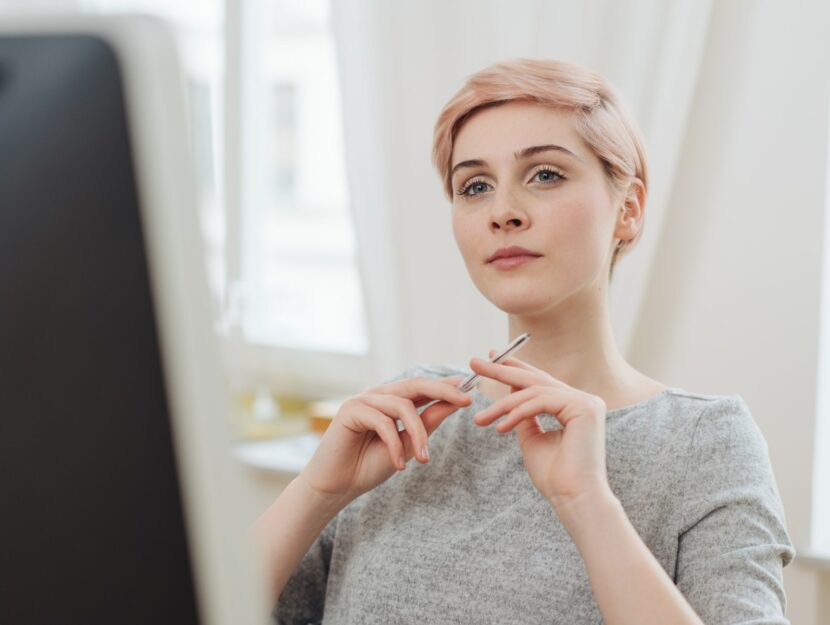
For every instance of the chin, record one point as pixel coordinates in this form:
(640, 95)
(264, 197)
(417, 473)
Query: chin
(521, 309)
(515, 300)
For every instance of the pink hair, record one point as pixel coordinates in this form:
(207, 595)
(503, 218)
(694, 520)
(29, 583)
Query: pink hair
(599, 115)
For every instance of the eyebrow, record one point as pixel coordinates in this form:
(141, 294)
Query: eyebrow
(526, 153)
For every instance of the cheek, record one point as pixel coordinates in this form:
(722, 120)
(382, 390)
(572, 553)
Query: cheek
(462, 234)
(469, 242)
(580, 222)
(582, 216)
(582, 233)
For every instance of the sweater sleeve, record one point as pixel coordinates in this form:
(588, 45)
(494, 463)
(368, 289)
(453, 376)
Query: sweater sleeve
(302, 601)
(733, 542)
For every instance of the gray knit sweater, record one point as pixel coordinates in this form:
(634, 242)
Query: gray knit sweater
(467, 538)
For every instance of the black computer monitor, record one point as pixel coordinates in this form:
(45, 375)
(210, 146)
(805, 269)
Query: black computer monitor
(104, 515)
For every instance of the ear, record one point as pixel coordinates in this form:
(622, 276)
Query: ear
(631, 211)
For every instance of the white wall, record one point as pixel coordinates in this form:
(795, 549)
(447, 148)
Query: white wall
(733, 300)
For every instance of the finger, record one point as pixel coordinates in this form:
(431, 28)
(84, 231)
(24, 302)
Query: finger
(375, 420)
(504, 405)
(527, 429)
(453, 379)
(435, 415)
(563, 405)
(405, 411)
(445, 392)
(424, 390)
(529, 409)
(512, 375)
(383, 388)
(411, 427)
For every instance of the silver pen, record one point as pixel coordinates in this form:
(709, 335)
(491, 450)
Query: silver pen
(471, 380)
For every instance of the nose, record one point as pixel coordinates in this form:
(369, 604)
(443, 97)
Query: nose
(506, 213)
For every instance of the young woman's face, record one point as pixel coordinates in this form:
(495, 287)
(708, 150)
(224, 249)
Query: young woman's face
(552, 201)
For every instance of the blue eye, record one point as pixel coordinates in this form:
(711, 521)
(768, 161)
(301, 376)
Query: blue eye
(552, 174)
(474, 183)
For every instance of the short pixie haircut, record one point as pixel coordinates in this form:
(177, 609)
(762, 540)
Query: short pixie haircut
(599, 115)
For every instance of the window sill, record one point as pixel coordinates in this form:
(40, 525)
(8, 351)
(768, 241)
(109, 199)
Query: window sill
(284, 456)
(816, 560)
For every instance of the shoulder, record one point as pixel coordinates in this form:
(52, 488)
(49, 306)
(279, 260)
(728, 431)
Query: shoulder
(725, 425)
(722, 432)
(728, 459)
(712, 438)
(712, 420)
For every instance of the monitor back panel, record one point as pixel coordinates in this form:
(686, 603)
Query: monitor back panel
(91, 528)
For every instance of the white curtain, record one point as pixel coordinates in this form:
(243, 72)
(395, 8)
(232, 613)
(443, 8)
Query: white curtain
(401, 61)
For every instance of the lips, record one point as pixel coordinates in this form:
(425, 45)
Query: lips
(513, 250)
(511, 262)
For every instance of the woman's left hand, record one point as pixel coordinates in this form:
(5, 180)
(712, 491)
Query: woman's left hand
(564, 464)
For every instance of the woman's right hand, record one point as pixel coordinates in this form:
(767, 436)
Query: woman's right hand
(362, 446)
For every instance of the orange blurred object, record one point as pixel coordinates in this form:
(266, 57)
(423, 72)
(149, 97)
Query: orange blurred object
(320, 413)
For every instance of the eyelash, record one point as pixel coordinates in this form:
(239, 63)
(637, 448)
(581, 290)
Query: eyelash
(545, 168)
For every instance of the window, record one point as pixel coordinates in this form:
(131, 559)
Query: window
(279, 239)
(297, 284)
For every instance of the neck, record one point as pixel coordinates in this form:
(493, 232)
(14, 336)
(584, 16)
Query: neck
(575, 344)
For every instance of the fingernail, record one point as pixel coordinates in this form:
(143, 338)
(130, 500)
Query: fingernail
(401, 462)
(425, 452)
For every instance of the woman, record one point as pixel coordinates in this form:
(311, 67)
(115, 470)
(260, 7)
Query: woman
(601, 495)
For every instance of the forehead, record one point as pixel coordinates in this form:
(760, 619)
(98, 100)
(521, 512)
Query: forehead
(497, 132)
